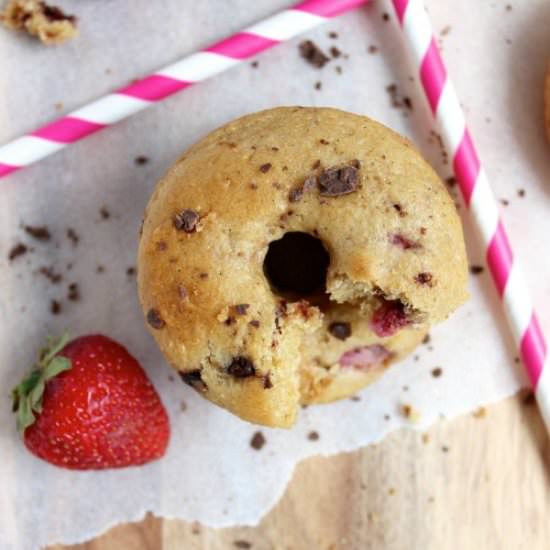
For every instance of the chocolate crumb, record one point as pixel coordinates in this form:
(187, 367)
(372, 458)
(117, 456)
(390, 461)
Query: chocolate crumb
(72, 236)
(408, 103)
(194, 379)
(427, 339)
(50, 274)
(333, 35)
(257, 441)
(73, 293)
(255, 323)
(335, 182)
(423, 230)
(154, 319)
(341, 331)
(275, 149)
(316, 164)
(229, 321)
(372, 49)
(131, 271)
(18, 250)
(186, 220)
(313, 54)
(100, 269)
(296, 194)
(40, 233)
(254, 64)
(264, 168)
(242, 544)
(385, 16)
(241, 367)
(104, 213)
(318, 85)
(400, 210)
(335, 52)
(268, 384)
(476, 269)
(241, 309)
(313, 436)
(437, 372)
(521, 193)
(425, 279)
(504, 202)
(141, 160)
(55, 307)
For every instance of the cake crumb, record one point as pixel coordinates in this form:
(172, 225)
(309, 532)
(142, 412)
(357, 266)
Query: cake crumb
(410, 413)
(481, 412)
(521, 193)
(48, 23)
(425, 438)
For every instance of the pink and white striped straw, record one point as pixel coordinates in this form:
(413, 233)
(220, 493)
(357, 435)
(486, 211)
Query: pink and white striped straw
(167, 81)
(478, 197)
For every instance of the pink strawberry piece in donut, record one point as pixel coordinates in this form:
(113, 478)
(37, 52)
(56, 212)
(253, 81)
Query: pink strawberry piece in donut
(365, 357)
(389, 318)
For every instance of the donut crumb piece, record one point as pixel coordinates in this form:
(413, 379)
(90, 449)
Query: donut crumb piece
(313, 54)
(194, 379)
(241, 367)
(257, 441)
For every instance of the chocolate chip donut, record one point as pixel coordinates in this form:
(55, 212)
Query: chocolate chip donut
(292, 255)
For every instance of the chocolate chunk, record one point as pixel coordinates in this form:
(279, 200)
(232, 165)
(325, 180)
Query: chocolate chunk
(335, 182)
(339, 330)
(55, 307)
(104, 213)
(154, 319)
(229, 321)
(257, 441)
(313, 436)
(268, 384)
(313, 54)
(240, 309)
(194, 379)
(241, 367)
(323, 141)
(451, 181)
(424, 278)
(186, 220)
(72, 236)
(141, 160)
(264, 168)
(41, 233)
(296, 195)
(18, 250)
(74, 293)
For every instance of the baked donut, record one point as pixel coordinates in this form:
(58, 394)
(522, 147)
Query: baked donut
(292, 255)
(547, 103)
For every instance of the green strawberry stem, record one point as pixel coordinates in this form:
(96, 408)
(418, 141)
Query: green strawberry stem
(27, 396)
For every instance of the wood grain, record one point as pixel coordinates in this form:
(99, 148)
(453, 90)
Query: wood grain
(477, 482)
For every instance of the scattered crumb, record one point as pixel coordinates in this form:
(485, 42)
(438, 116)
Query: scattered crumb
(437, 372)
(338, 69)
(333, 35)
(431, 499)
(313, 436)
(504, 202)
(72, 236)
(73, 293)
(521, 193)
(196, 528)
(40, 233)
(445, 449)
(405, 388)
(55, 307)
(387, 417)
(397, 100)
(17, 250)
(516, 360)
(48, 23)
(50, 274)
(391, 491)
(131, 271)
(373, 516)
(425, 438)
(529, 399)
(508, 7)
(435, 138)
(476, 269)
(480, 413)
(386, 16)
(254, 64)
(410, 413)
(183, 406)
(58, 106)
(100, 269)
(171, 378)
(242, 544)
(427, 339)
(313, 54)
(445, 30)
(416, 358)
(318, 85)
(104, 213)
(141, 160)
(372, 49)
(257, 441)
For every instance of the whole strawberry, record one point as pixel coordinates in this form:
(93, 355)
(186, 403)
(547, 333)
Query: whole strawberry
(88, 405)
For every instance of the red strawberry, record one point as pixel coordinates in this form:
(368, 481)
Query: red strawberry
(95, 407)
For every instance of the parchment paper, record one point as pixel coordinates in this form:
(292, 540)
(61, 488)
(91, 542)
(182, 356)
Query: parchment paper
(497, 58)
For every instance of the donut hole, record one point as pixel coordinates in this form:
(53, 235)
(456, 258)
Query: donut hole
(296, 266)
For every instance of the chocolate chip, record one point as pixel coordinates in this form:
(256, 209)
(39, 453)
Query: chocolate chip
(424, 278)
(340, 330)
(241, 367)
(55, 307)
(318, 85)
(18, 250)
(255, 323)
(194, 379)
(240, 309)
(335, 182)
(313, 54)
(476, 269)
(313, 436)
(104, 213)
(203, 275)
(355, 163)
(268, 384)
(521, 193)
(257, 441)
(186, 220)
(154, 319)
(437, 372)
(323, 141)
(74, 292)
(229, 321)
(141, 160)
(402, 213)
(72, 236)
(296, 195)
(264, 168)
(254, 64)
(316, 164)
(41, 233)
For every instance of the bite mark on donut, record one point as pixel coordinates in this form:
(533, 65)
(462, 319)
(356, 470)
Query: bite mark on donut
(154, 319)
(338, 181)
(340, 330)
(365, 357)
(425, 279)
(187, 220)
(241, 367)
(389, 318)
(194, 379)
(403, 242)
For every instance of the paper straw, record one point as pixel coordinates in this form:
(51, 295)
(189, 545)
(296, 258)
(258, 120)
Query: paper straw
(167, 81)
(505, 271)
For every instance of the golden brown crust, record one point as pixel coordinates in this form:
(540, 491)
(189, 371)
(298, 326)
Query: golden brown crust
(397, 235)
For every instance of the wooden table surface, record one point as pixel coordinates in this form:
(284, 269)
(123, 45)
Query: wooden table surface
(477, 482)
